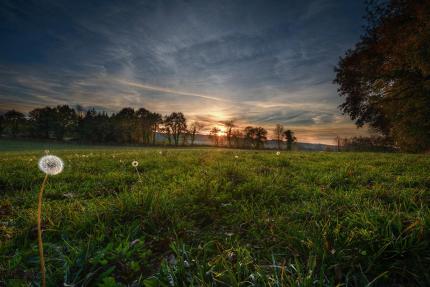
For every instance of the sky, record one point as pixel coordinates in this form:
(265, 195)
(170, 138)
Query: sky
(256, 62)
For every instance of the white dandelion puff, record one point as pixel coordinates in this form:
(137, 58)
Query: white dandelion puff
(51, 164)
(236, 156)
(278, 153)
(135, 164)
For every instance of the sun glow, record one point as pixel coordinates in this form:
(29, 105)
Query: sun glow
(222, 130)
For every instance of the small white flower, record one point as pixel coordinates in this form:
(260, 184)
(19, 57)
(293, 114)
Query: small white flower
(278, 153)
(51, 164)
(135, 163)
(236, 156)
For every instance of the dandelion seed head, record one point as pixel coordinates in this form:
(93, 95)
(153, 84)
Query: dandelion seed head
(135, 163)
(236, 156)
(51, 164)
(278, 153)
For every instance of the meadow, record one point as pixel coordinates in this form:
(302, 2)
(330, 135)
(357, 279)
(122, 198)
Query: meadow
(204, 217)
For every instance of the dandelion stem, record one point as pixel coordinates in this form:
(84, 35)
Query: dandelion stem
(39, 232)
(138, 174)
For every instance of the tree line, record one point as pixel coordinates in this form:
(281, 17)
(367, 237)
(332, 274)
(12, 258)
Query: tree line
(130, 126)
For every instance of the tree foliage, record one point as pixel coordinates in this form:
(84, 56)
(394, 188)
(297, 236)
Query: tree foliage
(13, 122)
(176, 124)
(255, 137)
(290, 138)
(385, 79)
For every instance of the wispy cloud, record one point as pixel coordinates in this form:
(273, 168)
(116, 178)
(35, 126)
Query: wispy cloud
(259, 62)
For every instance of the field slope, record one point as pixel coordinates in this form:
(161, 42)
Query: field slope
(201, 217)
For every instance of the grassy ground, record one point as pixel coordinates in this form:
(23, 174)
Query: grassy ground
(201, 217)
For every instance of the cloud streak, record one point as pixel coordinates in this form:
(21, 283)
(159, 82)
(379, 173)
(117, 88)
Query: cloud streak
(168, 91)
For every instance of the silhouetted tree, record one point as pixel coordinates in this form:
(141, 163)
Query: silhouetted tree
(186, 135)
(42, 122)
(65, 121)
(176, 124)
(144, 125)
(195, 128)
(96, 128)
(260, 136)
(229, 125)
(290, 138)
(155, 120)
(236, 138)
(279, 130)
(167, 132)
(126, 125)
(255, 136)
(53, 122)
(14, 123)
(214, 135)
(385, 78)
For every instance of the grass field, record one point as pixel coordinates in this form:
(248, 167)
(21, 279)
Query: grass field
(201, 217)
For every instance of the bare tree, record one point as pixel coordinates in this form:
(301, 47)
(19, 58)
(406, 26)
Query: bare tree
(338, 140)
(214, 135)
(236, 137)
(177, 125)
(229, 125)
(279, 130)
(195, 128)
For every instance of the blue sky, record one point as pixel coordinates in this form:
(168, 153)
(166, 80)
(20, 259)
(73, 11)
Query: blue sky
(258, 62)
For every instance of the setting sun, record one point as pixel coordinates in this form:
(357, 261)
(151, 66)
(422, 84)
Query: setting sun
(222, 130)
